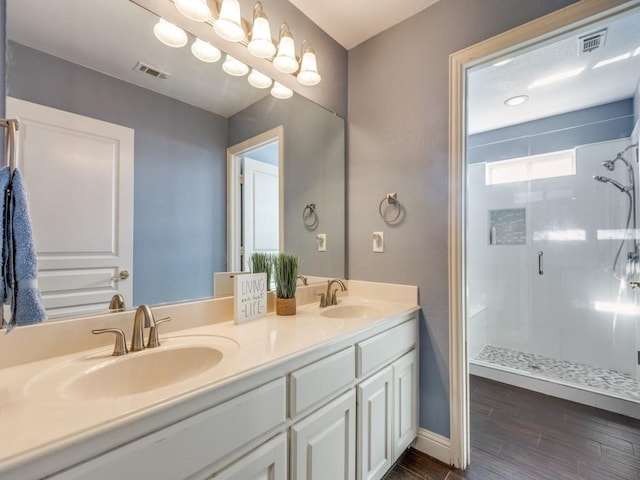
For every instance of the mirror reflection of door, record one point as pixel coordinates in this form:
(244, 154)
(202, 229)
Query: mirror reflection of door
(79, 172)
(260, 208)
(255, 172)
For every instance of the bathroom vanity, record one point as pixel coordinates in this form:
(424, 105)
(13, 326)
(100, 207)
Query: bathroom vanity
(326, 394)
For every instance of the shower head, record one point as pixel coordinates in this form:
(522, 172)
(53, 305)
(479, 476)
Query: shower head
(609, 164)
(616, 184)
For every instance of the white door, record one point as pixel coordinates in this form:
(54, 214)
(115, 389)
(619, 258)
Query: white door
(374, 425)
(260, 201)
(79, 172)
(323, 444)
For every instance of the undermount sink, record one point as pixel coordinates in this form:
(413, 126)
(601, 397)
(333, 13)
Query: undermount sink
(351, 311)
(143, 371)
(100, 376)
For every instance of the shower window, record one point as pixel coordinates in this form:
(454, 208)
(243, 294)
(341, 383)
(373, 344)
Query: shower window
(547, 165)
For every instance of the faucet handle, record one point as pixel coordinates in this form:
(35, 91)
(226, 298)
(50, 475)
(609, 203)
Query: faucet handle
(120, 347)
(153, 333)
(323, 301)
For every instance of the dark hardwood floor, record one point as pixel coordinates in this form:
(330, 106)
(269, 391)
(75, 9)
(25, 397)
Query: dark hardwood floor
(518, 434)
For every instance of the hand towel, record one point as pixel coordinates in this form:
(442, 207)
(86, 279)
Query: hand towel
(28, 308)
(4, 184)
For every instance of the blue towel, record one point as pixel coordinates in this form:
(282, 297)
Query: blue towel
(27, 307)
(4, 184)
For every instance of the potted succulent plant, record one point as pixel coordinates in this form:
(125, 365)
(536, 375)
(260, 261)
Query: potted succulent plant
(262, 262)
(285, 267)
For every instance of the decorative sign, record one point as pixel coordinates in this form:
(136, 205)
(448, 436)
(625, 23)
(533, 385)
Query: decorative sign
(250, 295)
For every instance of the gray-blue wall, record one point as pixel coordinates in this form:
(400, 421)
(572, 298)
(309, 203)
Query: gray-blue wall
(397, 142)
(552, 134)
(314, 165)
(179, 171)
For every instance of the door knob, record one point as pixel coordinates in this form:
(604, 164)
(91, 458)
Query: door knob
(123, 275)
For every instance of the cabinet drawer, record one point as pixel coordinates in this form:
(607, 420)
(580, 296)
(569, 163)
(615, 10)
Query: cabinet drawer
(320, 380)
(384, 347)
(187, 447)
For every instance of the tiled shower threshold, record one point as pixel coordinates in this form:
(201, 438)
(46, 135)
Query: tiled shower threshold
(607, 389)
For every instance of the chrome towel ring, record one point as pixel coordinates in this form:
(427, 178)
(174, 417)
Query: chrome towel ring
(310, 216)
(391, 199)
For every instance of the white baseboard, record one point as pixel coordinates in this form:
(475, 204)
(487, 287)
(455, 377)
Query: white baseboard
(434, 445)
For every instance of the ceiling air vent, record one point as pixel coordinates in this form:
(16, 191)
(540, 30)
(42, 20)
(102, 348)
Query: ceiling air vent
(592, 41)
(151, 71)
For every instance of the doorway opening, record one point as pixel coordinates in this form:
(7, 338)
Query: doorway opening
(255, 186)
(543, 227)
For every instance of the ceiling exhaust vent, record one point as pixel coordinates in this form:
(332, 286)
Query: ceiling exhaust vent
(591, 41)
(151, 71)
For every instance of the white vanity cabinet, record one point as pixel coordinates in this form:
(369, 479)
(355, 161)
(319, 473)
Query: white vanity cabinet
(267, 462)
(387, 399)
(342, 411)
(323, 444)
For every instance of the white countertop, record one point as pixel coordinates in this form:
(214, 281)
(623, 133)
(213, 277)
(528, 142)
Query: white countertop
(38, 415)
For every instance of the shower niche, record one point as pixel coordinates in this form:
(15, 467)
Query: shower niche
(508, 226)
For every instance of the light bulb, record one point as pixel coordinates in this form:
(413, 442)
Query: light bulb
(308, 74)
(234, 67)
(205, 52)
(197, 10)
(229, 23)
(259, 80)
(280, 91)
(285, 59)
(170, 34)
(261, 44)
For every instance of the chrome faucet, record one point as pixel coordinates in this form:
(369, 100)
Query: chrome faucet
(331, 298)
(117, 303)
(143, 319)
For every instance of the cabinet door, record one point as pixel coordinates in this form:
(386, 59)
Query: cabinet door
(375, 449)
(323, 444)
(268, 462)
(405, 402)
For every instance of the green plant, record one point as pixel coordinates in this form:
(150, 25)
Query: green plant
(263, 262)
(285, 266)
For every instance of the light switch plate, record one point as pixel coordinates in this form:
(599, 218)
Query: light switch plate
(321, 238)
(378, 242)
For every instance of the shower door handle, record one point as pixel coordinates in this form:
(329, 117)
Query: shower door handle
(540, 265)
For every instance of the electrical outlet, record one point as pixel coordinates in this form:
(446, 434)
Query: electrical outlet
(321, 238)
(378, 242)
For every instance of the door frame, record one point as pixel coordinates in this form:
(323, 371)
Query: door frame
(541, 30)
(234, 205)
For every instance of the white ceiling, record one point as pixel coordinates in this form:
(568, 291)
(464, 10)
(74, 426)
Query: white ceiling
(489, 86)
(351, 22)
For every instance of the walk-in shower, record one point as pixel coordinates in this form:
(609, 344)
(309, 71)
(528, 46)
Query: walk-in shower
(571, 322)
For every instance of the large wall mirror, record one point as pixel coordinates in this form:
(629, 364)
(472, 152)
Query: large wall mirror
(117, 158)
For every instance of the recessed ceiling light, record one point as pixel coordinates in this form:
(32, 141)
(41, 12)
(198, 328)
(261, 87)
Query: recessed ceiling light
(517, 100)
(557, 77)
(502, 62)
(609, 61)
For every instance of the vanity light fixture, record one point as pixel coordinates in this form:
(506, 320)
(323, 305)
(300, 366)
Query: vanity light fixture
(229, 23)
(234, 66)
(259, 80)
(517, 100)
(261, 44)
(205, 52)
(308, 74)
(280, 91)
(285, 60)
(636, 52)
(197, 10)
(557, 77)
(609, 61)
(170, 34)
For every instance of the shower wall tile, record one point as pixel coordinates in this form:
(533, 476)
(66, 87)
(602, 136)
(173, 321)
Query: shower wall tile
(508, 226)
